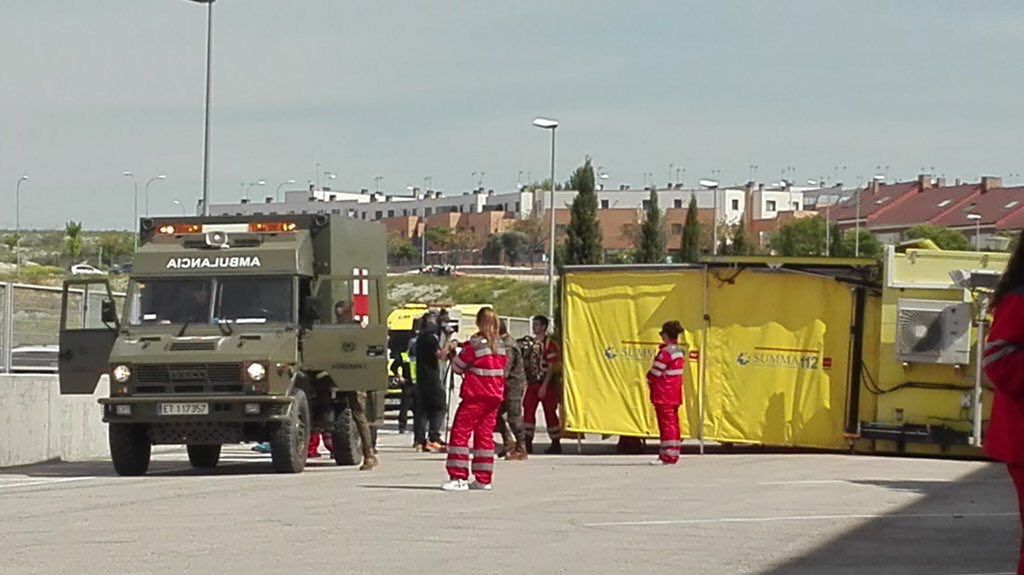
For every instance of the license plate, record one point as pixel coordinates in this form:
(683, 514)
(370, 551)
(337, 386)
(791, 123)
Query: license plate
(183, 409)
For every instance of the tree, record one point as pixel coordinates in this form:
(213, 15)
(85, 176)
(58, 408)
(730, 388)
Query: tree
(847, 246)
(799, 238)
(73, 240)
(652, 234)
(740, 246)
(514, 244)
(535, 231)
(945, 238)
(584, 242)
(400, 250)
(690, 250)
(11, 241)
(116, 245)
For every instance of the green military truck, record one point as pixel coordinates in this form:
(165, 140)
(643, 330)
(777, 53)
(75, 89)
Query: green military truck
(229, 334)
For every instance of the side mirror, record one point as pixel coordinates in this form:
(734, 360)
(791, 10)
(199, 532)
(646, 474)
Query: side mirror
(310, 305)
(108, 313)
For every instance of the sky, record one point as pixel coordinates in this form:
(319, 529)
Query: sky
(409, 89)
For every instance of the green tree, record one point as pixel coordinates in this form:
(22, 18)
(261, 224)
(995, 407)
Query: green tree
(584, 242)
(652, 234)
(690, 250)
(116, 246)
(514, 245)
(73, 240)
(945, 238)
(799, 238)
(400, 250)
(847, 245)
(740, 245)
(535, 231)
(11, 241)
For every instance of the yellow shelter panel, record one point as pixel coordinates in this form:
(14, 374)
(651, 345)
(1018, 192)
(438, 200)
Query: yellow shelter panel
(611, 339)
(777, 357)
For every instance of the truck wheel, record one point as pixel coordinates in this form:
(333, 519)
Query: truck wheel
(348, 448)
(130, 448)
(289, 442)
(204, 456)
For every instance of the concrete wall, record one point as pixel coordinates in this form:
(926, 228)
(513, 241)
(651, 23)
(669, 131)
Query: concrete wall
(38, 424)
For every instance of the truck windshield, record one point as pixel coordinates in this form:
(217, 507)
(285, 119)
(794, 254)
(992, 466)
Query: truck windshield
(238, 300)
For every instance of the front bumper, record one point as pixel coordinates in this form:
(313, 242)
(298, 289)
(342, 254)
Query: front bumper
(223, 409)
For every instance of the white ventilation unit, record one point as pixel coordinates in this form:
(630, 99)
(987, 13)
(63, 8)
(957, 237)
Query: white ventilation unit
(933, 331)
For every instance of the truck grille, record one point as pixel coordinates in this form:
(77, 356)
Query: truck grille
(189, 378)
(194, 346)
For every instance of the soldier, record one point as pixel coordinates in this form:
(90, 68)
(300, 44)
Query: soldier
(482, 363)
(543, 362)
(357, 400)
(666, 382)
(510, 418)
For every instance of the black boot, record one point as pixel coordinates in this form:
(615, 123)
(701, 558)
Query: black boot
(555, 448)
(529, 445)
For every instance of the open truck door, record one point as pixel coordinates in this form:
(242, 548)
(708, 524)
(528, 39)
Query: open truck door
(88, 328)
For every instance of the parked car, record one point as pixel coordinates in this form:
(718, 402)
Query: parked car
(86, 269)
(34, 359)
(121, 269)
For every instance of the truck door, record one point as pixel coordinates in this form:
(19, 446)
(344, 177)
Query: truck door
(88, 328)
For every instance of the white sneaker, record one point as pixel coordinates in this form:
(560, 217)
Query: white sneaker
(456, 485)
(477, 486)
(658, 462)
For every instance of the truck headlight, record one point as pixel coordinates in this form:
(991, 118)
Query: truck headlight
(256, 371)
(122, 374)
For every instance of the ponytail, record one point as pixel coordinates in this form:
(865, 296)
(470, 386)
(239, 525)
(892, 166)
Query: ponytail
(487, 323)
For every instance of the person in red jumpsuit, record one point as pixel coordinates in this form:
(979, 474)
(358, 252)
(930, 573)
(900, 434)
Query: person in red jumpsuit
(1004, 365)
(482, 365)
(665, 379)
(545, 389)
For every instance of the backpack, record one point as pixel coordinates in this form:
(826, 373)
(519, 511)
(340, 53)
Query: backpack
(533, 358)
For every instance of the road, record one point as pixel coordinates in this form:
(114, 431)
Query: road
(595, 513)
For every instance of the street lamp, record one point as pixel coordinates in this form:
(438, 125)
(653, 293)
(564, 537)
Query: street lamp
(206, 114)
(135, 222)
(178, 203)
(251, 184)
(977, 230)
(150, 181)
(17, 224)
(548, 124)
(713, 186)
(277, 194)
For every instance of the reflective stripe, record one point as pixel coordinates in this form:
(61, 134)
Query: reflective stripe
(678, 355)
(656, 372)
(671, 443)
(458, 450)
(457, 464)
(991, 358)
(483, 453)
(671, 372)
(459, 365)
(994, 344)
(483, 466)
(487, 372)
(670, 452)
(659, 365)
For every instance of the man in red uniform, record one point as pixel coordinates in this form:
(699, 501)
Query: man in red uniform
(544, 387)
(1004, 365)
(482, 365)
(665, 379)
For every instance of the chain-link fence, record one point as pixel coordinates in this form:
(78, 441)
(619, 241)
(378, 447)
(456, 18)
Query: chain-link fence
(30, 323)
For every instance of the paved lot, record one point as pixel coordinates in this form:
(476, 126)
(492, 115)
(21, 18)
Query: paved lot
(592, 514)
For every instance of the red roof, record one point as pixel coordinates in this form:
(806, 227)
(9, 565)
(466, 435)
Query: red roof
(994, 206)
(872, 203)
(925, 206)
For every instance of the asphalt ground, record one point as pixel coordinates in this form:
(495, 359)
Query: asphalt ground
(596, 513)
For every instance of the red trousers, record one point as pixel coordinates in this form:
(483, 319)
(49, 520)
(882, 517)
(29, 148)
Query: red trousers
(475, 418)
(530, 402)
(1017, 473)
(668, 426)
(314, 443)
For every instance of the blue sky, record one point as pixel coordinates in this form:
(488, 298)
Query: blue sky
(408, 89)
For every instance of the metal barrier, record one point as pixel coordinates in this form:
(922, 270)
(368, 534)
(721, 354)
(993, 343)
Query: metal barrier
(30, 316)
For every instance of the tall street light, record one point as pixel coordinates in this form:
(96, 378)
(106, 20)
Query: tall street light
(206, 114)
(976, 218)
(178, 203)
(17, 224)
(713, 186)
(135, 222)
(549, 124)
(277, 194)
(148, 182)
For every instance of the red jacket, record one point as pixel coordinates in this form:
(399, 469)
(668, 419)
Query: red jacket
(483, 370)
(1004, 366)
(666, 375)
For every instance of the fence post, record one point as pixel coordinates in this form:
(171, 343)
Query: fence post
(7, 334)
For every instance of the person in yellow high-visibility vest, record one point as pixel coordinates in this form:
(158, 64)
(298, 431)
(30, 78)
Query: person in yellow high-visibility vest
(404, 368)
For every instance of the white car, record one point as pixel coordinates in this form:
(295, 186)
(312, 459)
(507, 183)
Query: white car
(86, 269)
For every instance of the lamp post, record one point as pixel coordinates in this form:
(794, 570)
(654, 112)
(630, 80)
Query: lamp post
(206, 112)
(713, 186)
(178, 203)
(148, 182)
(17, 222)
(251, 184)
(548, 124)
(135, 222)
(976, 218)
(277, 194)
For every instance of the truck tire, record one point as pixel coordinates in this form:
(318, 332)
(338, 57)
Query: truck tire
(348, 448)
(204, 456)
(130, 449)
(289, 442)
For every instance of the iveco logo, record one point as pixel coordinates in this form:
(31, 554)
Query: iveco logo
(184, 374)
(348, 346)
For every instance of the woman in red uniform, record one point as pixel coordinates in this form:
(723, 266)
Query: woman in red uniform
(482, 365)
(1004, 365)
(665, 379)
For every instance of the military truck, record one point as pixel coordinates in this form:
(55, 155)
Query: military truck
(229, 333)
